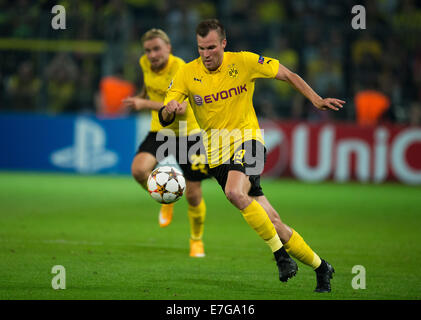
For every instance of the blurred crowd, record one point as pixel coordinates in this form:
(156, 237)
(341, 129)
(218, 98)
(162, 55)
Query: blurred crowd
(376, 70)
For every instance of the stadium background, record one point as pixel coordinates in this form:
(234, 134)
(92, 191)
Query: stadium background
(53, 119)
(313, 38)
(88, 67)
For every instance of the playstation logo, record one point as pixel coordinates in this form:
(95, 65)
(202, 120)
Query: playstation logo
(88, 154)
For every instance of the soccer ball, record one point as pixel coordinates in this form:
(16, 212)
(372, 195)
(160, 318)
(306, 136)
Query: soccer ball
(166, 184)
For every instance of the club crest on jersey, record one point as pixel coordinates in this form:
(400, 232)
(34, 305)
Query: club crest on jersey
(232, 71)
(198, 99)
(261, 60)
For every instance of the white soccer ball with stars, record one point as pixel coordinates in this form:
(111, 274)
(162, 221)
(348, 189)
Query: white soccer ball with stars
(166, 184)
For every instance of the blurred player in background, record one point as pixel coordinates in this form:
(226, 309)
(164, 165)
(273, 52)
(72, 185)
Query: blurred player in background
(159, 67)
(222, 102)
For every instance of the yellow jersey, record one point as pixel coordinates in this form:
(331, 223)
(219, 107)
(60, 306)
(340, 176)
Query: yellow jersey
(222, 100)
(156, 85)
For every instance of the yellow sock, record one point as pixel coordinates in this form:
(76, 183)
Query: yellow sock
(257, 218)
(197, 219)
(300, 250)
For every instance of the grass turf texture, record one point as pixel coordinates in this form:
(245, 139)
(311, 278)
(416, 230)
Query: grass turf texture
(104, 231)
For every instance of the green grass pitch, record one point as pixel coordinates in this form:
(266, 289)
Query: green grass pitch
(104, 231)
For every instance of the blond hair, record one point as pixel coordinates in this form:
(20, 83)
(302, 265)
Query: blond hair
(155, 33)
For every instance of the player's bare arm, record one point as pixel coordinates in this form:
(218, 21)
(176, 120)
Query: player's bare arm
(300, 85)
(140, 102)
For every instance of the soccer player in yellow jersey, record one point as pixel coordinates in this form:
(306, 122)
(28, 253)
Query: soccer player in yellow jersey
(159, 67)
(219, 86)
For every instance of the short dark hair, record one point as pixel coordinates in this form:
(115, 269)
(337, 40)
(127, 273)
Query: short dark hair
(204, 27)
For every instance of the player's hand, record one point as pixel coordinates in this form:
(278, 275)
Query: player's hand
(172, 106)
(329, 103)
(169, 109)
(182, 107)
(135, 103)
